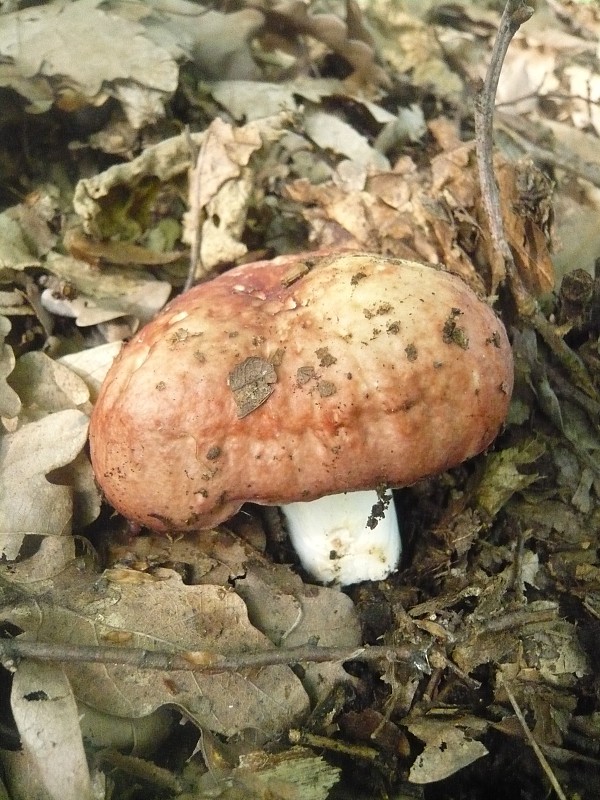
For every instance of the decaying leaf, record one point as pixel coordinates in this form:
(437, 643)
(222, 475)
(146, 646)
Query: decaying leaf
(46, 386)
(449, 747)
(294, 775)
(330, 132)
(97, 297)
(413, 47)
(111, 252)
(502, 478)
(94, 197)
(15, 253)
(92, 365)
(219, 191)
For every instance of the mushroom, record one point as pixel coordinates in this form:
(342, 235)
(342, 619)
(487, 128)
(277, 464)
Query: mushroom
(281, 382)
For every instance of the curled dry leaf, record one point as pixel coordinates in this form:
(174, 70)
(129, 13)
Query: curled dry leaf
(98, 253)
(449, 747)
(437, 215)
(92, 364)
(219, 188)
(297, 774)
(330, 132)
(15, 252)
(46, 386)
(94, 297)
(219, 192)
(412, 46)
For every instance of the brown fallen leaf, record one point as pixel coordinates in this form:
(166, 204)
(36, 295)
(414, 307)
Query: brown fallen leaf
(220, 186)
(350, 39)
(87, 609)
(108, 251)
(279, 604)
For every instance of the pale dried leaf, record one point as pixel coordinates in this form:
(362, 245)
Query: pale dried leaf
(254, 99)
(296, 774)
(10, 404)
(138, 736)
(92, 364)
(448, 748)
(46, 386)
(331, 132)
(220, 188)
(224, 224)
(52, 556)
(527, 73)
(52, 764)
(279, 605)
(52, 41)
(104, 295)
(412, 47)
(556, 652)
(29, 503)
(164, 161)
(14, 252)
(195, 618)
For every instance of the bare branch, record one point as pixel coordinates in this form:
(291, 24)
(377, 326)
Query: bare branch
(530, 738)
(516, 12)
(12, 650)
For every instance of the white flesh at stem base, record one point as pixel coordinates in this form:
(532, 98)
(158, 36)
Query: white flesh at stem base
(334, 542)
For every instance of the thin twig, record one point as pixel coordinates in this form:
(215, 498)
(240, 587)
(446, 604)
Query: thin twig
(530, 738)
(515, 14)
(140, 768)
(357, 751)
(519, 619)
(12, 650)
(196, 213)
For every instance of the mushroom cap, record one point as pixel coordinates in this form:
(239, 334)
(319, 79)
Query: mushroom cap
(291, 379)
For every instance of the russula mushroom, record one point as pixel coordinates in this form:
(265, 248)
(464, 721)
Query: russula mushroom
(284, 381)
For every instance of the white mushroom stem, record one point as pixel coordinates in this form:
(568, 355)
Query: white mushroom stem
(346, 538)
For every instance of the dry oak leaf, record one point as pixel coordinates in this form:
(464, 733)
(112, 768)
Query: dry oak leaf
(10, 403)
(113, 610)
(29, 503)
(448, 748)
(279, 605)
(219, 192)
(52, 41)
